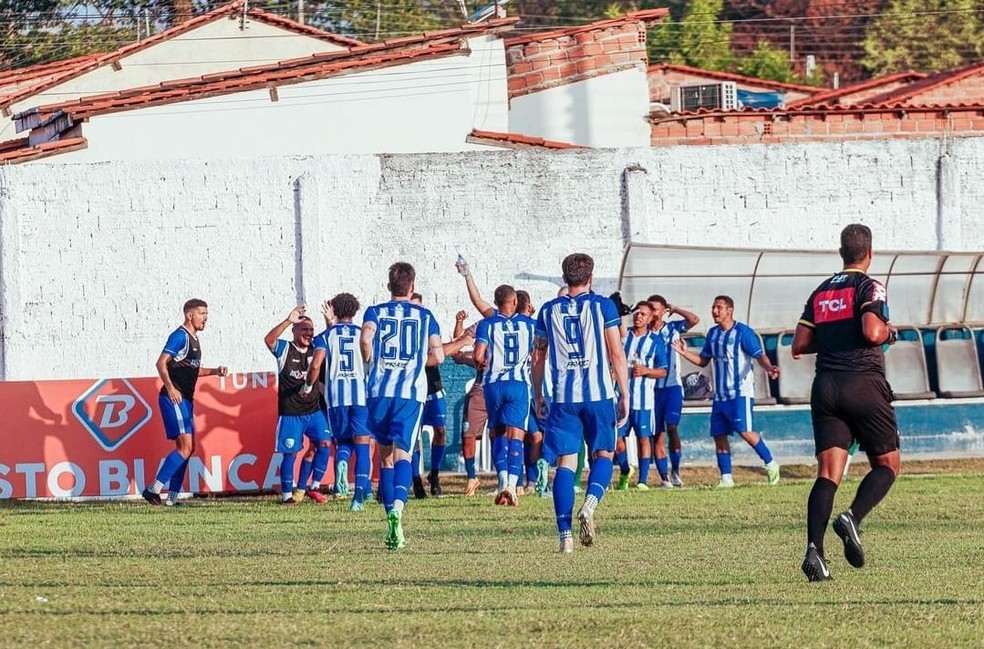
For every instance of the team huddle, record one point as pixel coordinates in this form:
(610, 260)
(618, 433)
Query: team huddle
(562, 389)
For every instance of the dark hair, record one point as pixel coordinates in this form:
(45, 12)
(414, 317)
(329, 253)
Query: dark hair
(726, 299)
(401, 278)
(855, 243)
(418, 297)
(522, 301)
(303, 318)
(503, 294)
(643, 303)
(194, 303)
(577, 269)
(345, 305)
(655, 297)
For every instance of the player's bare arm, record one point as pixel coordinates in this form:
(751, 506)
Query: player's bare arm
(680, 347)
(539, 364)
(804, 340)
(459, 325)
(172, 392)
(455, 346)
(474, 294)
(292, 319)
(221, 370)
(649, 372)
(690, 318)
(770, 369)
(328, 312)
(365, 342)
(314, 370)
(435, 355)
(620, 369)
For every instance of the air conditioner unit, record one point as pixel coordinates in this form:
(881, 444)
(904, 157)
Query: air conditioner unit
(723, 96)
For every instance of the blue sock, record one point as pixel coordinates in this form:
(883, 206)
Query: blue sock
(470, 468)
(402, 478)
(415, 463)
(287, 473)
(763, 450)
(661, 468)
(171, 464)
(549, 455)
(177, 480)
(304, 475)
(724, 463)
(500, 453)
(516, 458)
(437, 457)
(675, 457)
(644, 463)
(386, 487)
(532, 473)
(362, 471)
(599, 477)
(563, 498)
(343, 453)
(320, 464)
(623, 461)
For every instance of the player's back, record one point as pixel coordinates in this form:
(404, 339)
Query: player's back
(399, 349)
(345, 375)
(510, 347)
(577, 353)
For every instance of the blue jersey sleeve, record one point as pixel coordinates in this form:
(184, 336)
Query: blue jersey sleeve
(176, 342)
(679, 326)
(482, 333)
(540, 330)
(370, 315)
(659, 355)
(433, 329)
(750, 343)
(706, 351)
(279, 347)
(610, 313)
(321, 340)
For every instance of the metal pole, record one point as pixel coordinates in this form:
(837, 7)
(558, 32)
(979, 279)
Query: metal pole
(300, 11)
(379, 13)
(792, 44)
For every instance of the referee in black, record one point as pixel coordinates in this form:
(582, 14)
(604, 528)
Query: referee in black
(845, 323)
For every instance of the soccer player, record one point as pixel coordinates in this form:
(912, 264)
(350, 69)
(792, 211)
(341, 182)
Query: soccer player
(503, 346)
(845, 323)
(475, 416)
(732, 346)
(669, 390)
(647, 362)
(398, 340)
(435, 415)
(299, 412)
(345, 395)
(580, 333)
(179, 367)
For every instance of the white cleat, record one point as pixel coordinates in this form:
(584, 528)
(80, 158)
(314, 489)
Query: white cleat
(585, 519)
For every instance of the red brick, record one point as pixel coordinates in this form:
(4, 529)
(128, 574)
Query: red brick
(532, 49)
(521, 68)
(551, 74)
(586, 37)
(585, 65)
(730, 126)
(591, 49)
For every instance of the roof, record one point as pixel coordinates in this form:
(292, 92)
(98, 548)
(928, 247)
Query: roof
(19, 75)
(931, 82)
(515, 140)
(309, 68)
(15, 151)
(730, 76)
(828, 96)
(649, 15)
(231, 9)
(850, 109)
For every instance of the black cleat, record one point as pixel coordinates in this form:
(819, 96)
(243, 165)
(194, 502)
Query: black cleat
(151, 497)
(434, 481)
(815, 566)
(847, 529)
(418, 488)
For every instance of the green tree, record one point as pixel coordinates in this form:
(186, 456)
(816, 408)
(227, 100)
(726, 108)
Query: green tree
(699, 39)
(924, 35)
(767, 62)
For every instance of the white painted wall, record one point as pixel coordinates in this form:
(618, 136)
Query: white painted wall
(214, 47)
(425, 106)
(603, 112)
(96, 260)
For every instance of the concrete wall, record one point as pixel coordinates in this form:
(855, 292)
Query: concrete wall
(96, 260)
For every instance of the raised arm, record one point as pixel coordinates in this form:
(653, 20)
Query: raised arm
(292, 318)
(473, 293)
(459, 325)
(690, 318)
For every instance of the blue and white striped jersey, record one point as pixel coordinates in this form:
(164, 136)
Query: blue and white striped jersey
(669, 332)
(510, 347)
(575, 327)
(345, 373)
(399, 349)
(732, 352)
(646, 350)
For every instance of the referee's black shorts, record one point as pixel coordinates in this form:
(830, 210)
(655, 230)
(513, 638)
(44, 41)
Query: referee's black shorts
(848, 406)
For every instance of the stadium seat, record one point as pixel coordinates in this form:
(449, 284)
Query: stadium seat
(957, 363)
(695, 342)
(796, 377)
(763, 392)
(905, 366)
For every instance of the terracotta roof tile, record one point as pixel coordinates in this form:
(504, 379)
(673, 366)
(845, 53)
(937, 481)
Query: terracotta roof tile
(931, 82)
(831, 95)
(649, 15)
(24, 152)
(18, 75)
(851, 109)
(521, 140)
(730, 76)
(229, 9)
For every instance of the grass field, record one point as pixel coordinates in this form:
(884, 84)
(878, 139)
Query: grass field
(692, 568)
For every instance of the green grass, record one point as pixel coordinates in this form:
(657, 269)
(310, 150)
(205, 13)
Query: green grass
(692, 568)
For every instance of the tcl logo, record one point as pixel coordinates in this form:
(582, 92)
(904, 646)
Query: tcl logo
(830, 306)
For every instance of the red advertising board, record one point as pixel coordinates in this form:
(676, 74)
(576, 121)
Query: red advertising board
(104, 438)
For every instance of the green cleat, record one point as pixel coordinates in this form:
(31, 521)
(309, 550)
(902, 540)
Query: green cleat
(543, 468)
(341, 479)
(772, 470)
(395, 538)
(623, 480)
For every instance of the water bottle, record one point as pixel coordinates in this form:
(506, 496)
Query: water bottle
(462, 265)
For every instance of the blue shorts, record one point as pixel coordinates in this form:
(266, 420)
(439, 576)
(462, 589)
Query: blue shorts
(179, 418)
(731, 416)
(569, 425)
(435, 410)
(508, 404)
(641, 421)
(347, 422)
(532, 421)
(395, 421)
(669, 407)
(290, 428)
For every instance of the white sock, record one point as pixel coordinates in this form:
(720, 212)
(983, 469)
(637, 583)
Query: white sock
(503, 479)
(172, 496)
(287, 495)
(512, 481)
(398, 506)
(316, 485)
(157, 487)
